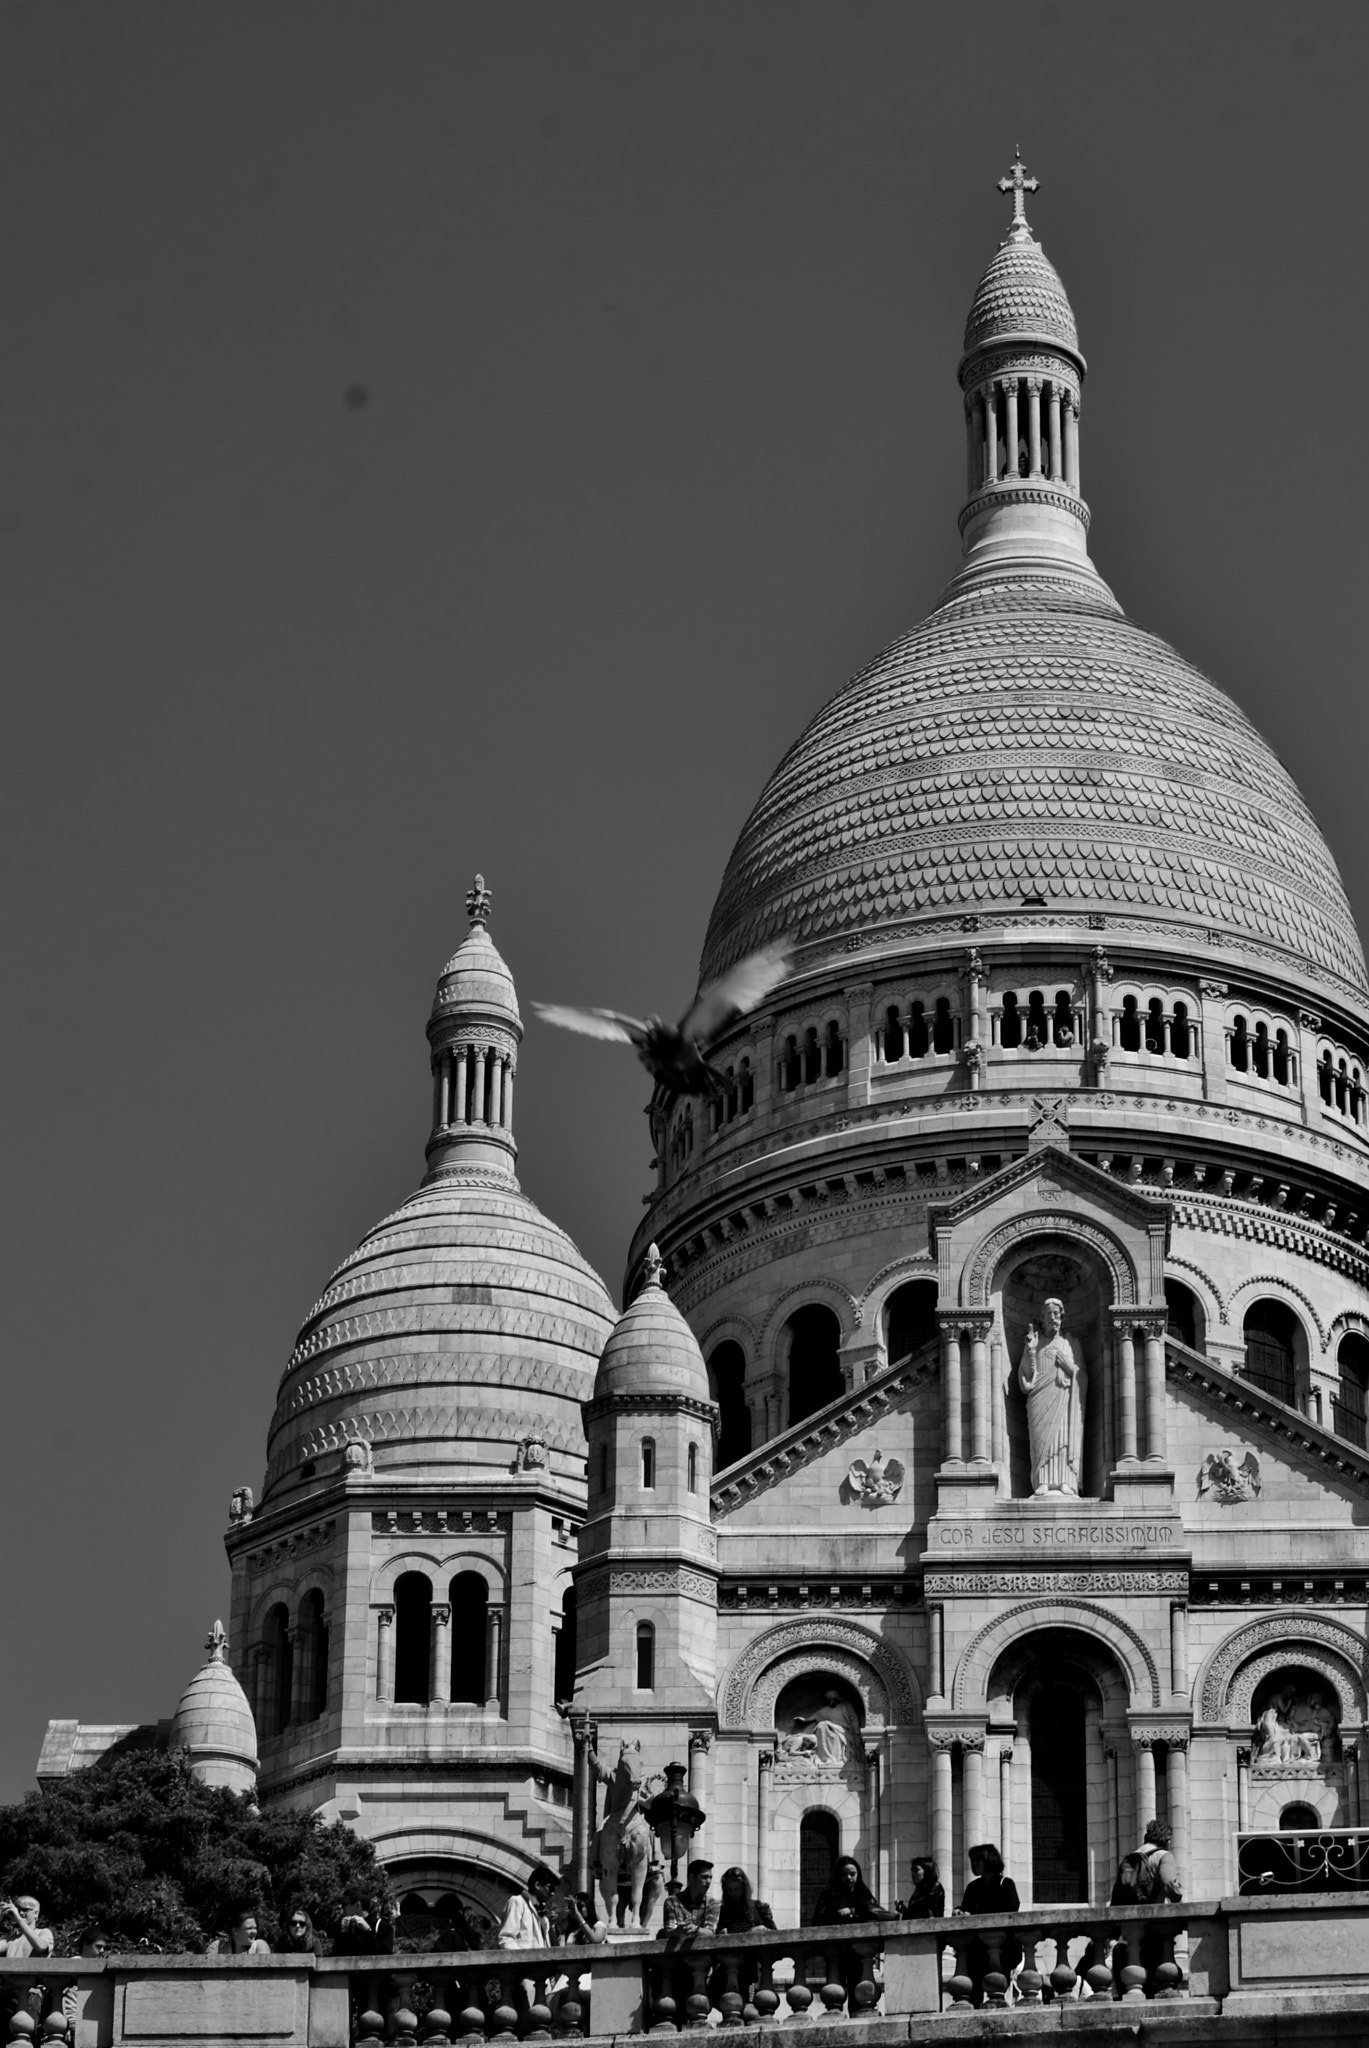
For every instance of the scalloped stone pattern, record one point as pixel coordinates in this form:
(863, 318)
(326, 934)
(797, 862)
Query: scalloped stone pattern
(1021, 293)
(1029, 740)
(461, 1323)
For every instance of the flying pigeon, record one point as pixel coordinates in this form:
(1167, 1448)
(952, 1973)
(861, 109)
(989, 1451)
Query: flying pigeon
(675, 1054)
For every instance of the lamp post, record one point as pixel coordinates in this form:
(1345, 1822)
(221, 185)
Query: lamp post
(674, 1816)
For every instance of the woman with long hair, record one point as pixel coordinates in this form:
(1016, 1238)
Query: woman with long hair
(927, 1899)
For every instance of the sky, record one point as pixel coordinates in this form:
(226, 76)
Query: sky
(439, 437)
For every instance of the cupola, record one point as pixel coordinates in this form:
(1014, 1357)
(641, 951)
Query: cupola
(474, 1031)
(214, 1722)
(652, 1352)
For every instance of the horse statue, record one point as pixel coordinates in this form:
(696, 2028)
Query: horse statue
(624, 1843)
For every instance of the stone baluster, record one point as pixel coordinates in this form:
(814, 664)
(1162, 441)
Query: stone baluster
(440, 1684)
(1178, 1646)
(385, 1654)
(936, 1624)
(1243, 1788)
(1053, 422)
(494, 1658)
(1034, 425)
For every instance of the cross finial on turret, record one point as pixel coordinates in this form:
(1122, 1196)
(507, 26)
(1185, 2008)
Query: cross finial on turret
(653, 1270)
(216, 1642)
(478, 900)
(1019, 185)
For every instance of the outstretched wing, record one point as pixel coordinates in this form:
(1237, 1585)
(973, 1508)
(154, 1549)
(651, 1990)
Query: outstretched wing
(734, 993)
(594, 1023)
(857, 1472)
(1250, 1466)
(893, 1473)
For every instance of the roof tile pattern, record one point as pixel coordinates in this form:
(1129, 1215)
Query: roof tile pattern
(1027, 740)
(1020, 293)
(466, 1306)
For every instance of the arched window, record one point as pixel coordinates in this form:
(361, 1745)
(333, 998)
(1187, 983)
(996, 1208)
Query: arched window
(1129, 1026)
(814, 1367)
(1282, 1063)
(1240, 1045)
(603, 1468)
(279, 1672)
(1179, 1032)
(564, 1658)
(692, 1468)
(1010, 1028)
(413, 1638)
(1183, 1315)
(819, 1848)
(648, 1463)
(893, 1034)
(833, 1051)
(646, 1657)
(1270, 1329)
(1324, 1077)
(1155, 1025)
(789, 1065)
(1299, 1818)
(943, 1026)
(812, 1054)
(470, 1598)
(1062, 1024)
(919, 1037)
(727, 1377)
(313, 1686)
(910, 1319)
(1037, 1029)
(1342, 1087)
(732, 1097)
(747, 1082)
(1350, 1408)
(1260, 1050)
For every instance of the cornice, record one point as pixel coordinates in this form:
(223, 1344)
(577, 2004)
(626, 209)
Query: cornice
(1271, 1419)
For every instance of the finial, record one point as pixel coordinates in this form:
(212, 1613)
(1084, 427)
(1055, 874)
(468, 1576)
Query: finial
(653, 1273)
(478, 902)
(216, 1642)
(1019, 185)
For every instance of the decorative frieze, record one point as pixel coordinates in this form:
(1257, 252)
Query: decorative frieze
(940, 1584)
(439, 1521)
(300, 1543)
(668, 1579)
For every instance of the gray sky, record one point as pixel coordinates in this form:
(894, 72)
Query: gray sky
(656, 310)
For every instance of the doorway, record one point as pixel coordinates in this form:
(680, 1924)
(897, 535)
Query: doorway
(1059, 1798)
(819, 1848)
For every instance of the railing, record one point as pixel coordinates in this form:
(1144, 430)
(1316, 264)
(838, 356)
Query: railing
(1303, 1860)
(1042, 1955)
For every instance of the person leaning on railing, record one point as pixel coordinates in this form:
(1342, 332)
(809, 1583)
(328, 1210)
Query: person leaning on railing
(990, 1891)
(927, 1899)
(739, 1912)
(848, 1900)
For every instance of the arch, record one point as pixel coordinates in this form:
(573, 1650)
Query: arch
(727, 1384)
(889, 1691)
(509, 1862)
(920, 1266)
(1270, 1330)
(1274, 1285)
(909, 1318)
(565, 1646)
(839, 1299)
(819, 1848)
(1350, 1403)
(312, 1677)
(970, 1686)
(979, 1269)
(278, 1673)
(1211, 1299)
(1184, 1318)
(1228, 1677)
(812, 1363)
(1348, 1319)
(413, 1604)
(469, 1594)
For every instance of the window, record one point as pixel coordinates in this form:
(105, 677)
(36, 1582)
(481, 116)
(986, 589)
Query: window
(1240, 1045)
(943, 1026)
(819, 1848)
(692, 1468)
(747, 1084)
(919, 1037)
(1179, 1032)
(564, 1657)
(815, 1375)
(646, 1657)
(1350, 1408)
(470, 1597)
(833, 1051)
(1062, 1024)
(314, 1645)
(812, 1054)
(413, 1638)
(1269, 1349)
(279, 1673)
(1183, 1316)
(1155, 1025)
(910, 1319)
(603, 1468)
(1129, 1026)
(727, 1382)
(790, 1065)
(1010, 1029)
(1038, 1033)
(893, 1032)
(648, 1462)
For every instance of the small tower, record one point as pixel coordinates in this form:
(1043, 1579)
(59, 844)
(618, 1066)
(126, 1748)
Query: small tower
(647, 1577)
(474, 1031)
(1022, 374)
(214, 1722)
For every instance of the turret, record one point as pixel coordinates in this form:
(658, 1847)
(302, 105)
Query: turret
(474, 1031)
(214, 1722)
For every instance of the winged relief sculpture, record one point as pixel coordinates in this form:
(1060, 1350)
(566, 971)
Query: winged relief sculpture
(876, 1484)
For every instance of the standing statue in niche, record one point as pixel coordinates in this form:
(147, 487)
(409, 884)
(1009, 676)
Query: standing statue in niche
(1053, 1381)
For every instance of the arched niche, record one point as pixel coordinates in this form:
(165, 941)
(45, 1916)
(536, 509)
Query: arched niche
(1226, 1686)
(1018, 1629)
(807, 1698)
(883, 1681)
(1074, 1272)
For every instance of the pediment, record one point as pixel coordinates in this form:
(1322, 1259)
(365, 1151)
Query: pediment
(1050, 1191)
(1301, 1471)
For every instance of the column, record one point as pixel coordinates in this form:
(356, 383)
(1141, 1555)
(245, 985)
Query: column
(1178, 1806)
(942, 1822)
(990, 434)
(972, 1764)
(385, 1654)
(440, 1092)
(1243, 1789)
(1156, 1433)
(874, 1820)
(764, 1802)
(440, 1679)
(496, 1090)
(936, 1622)
(998, 1449)
(1072, 440)
(979, 1392)
(1034, 425)
(1114, 1813)
(1053, 423)
(1010, 435)
(1350, 1754)
(971, 449)
(1126, 1394)
(508, 1095)
(1005, 1803)
(952, 1443)
(700, 1742)
(494, 1658)
(1145, 1786)
(1178, 1646)
(582, 1815)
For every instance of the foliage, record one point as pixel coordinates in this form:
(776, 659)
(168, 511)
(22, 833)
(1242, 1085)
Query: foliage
(139, 1845)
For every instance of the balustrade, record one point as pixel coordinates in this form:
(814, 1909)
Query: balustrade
(1303, 1860)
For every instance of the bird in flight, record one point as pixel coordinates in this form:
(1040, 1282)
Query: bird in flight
(676, 1055)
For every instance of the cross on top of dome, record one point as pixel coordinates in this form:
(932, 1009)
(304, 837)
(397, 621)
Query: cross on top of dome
(1019, 185)
(478, 900)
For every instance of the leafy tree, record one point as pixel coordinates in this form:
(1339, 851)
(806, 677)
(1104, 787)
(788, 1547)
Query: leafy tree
(138, 1844)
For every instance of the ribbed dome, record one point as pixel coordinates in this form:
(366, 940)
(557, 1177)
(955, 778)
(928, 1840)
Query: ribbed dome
(214, 1722)
(1021, 293)
(1028, 741)
(461, 1324)
(475, 978)
(652, 1349)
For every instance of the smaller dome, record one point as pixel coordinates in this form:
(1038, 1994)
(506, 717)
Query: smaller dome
(476, 978)
(1020, 293)
(652, 1349)
(214, 1722)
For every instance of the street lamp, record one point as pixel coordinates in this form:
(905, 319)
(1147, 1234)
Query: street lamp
(674, 1815)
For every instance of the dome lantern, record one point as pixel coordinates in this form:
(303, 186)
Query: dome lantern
(1022, 375)
(474, 1032)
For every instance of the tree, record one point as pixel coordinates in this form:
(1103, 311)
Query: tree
(138, 1844)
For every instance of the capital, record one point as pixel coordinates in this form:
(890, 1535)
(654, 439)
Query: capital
(1212, 991)
(385, 1616)
(1034, 386)
(442, 1614)
(700, 1741)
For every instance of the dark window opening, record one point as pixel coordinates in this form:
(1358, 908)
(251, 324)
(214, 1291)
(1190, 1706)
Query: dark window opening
(646, 1657)
(1129, 1026)
(727, 1375)
(812, 1054)
(648, 1463)
(413, 1638)
(943, 1026)
(1240, 1045)
(747, 1081)
(1058, 1802)
(314, 1636)
(692, 1469)
(1155, 1025)
(563, 1663)
(919, 1037)
(893, 1035)
(1269, 1349)
(280, 1661)
(1350, 1408)
(1010, 1029)
(1179, 1032)
(910, 1319)
(1063, 1023)
(732, 1097)
(819, 1848)
(833, 1051)
(789, 1065)
(1324, 1078)
(1259, 1051)
(1281, 1063)
(470, 1597)
(1181, 1313)
(1037, 1031)
(815, 1376)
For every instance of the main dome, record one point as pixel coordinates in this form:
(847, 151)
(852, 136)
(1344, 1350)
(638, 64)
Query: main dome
(1027, 742)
